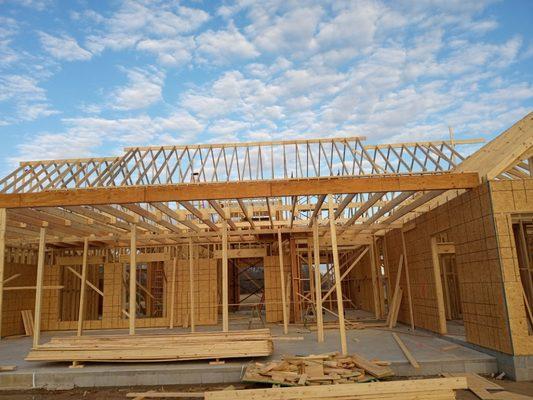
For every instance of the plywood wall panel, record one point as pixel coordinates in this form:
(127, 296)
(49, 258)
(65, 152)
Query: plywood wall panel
(468, 221)
(273, 300)
(16, 301)
(508, 198)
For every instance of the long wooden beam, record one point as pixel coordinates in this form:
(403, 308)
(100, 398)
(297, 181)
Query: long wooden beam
(133, 279)
(192, 294)
(282, 281)
(240, 190)
(337, 273)
(318, 282)
(225, 309)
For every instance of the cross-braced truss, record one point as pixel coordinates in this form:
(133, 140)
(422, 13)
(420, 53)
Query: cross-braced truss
(288, 163)
(236, 162)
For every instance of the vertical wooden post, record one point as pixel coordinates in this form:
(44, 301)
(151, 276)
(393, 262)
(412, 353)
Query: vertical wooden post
(225, 311)
(408, 281)
(192, 299)
(444, 277)
(381, 276)
(318, 283)
(337, 272)
(438, 286)
(173, 291)
(39, 289)
(310, 270)
(133, 279)
(83, 286)
(387, 271)
(3, 218)
(374, 277)
(525, 254)
(295, 285)
(282, 281)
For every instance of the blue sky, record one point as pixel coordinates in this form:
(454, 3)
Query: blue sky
(87, 78)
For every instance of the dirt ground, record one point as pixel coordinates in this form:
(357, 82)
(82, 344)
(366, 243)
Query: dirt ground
(524, 388)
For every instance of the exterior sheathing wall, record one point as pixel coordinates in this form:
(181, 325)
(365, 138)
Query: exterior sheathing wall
(206, 303)
(467, 221)
(360, 288)
(509, 197)
(17, 300)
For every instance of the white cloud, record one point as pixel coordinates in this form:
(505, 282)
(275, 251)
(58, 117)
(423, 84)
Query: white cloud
(171, 52)
(144, 88)
(227, 127)
(225, 45)
(179, 123)
(83, 136)
(138, 21)
(8, 27)
(355, 26)
(28, 98)
(64, 47)
(38, 5)
(274, 69)
(266, 71)
(293, 32)
(482, 26)
(33, 111)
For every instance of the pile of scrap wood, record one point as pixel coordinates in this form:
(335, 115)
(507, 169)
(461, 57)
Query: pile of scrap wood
(321, 369)
(434, 389)
(159, 347)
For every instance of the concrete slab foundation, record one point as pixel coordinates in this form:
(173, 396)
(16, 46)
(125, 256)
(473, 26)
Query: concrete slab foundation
(371, 343)
(517, 368)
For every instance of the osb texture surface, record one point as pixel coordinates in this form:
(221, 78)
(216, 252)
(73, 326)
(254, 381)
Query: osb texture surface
(468, 222)
(511, 197)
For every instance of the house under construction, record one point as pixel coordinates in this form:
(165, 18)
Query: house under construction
(296, 233)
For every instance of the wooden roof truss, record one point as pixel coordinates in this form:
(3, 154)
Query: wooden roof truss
(162, 222)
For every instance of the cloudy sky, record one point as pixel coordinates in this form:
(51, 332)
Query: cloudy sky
(83, 78)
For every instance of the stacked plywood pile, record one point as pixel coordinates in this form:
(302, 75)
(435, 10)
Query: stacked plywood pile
(321, 369)
(137, 348)
(434, 389)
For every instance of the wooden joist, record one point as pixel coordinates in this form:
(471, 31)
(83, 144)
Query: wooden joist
(122, 348)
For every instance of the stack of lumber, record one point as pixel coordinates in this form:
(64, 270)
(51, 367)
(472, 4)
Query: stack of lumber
(159, 347)
(430, 389)
(321, 369)
(485, 389)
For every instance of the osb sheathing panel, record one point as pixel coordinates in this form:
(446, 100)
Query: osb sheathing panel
(272, 282)
(467, 221)
(510, 197)
(113, 304)
(204, 289)
(17, 300)
(359, 282)
(70, 294)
